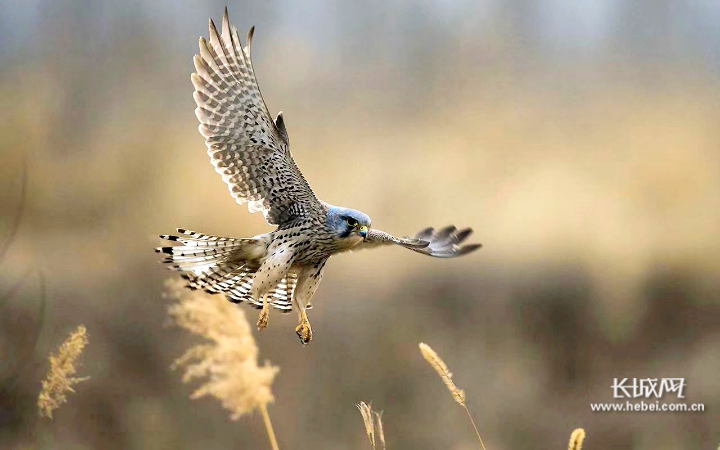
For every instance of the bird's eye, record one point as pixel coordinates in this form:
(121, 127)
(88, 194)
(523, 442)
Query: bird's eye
(352, 222)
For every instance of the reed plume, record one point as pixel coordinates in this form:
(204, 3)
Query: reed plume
(227, 361)
(576, 439)
(60, 378)
(442, 370)
(372, 421)
(379, 424)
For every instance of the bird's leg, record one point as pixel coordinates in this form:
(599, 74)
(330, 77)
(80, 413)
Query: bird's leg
(307, 284)
(262, 322)
(304, 330)
(270, 273)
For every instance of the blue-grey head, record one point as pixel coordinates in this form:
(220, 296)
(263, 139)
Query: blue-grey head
(348, 223)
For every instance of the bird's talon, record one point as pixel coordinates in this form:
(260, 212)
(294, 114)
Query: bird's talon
(262, 321)
(304, 332)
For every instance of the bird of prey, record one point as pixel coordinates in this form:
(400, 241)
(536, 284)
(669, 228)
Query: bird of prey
(251, 152)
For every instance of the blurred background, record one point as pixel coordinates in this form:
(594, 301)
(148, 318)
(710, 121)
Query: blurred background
(579, 140)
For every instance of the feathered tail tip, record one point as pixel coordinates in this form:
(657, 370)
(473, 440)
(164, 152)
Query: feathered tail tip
(198, 253)
(446, 242)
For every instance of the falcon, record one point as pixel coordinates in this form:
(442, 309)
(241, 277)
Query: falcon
(251, 152)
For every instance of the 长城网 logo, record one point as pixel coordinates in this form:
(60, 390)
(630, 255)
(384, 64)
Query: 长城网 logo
(631, 389)
(647, 387)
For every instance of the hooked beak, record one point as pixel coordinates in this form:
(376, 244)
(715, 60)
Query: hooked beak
(363, 231)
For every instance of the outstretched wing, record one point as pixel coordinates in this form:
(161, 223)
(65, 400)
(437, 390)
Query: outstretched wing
(377, 238)
(441, 244)
(248, 149)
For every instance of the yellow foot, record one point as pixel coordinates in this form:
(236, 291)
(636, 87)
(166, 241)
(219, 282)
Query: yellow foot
(304, 332)
(262, 322)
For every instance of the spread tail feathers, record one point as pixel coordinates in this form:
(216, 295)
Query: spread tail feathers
(223, 265)
(201, 254)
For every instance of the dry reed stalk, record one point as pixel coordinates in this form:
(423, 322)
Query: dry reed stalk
(227, 362)
(367, 416)
(381, 433)
(442, 370)
(576, 439)
(269, 427)
(372, 420)
(60, 379)
(20, 208)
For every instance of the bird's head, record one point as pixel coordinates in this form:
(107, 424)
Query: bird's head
(348, 224)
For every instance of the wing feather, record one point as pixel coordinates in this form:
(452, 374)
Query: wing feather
(247, 148)
(376, 238)
(441, 244)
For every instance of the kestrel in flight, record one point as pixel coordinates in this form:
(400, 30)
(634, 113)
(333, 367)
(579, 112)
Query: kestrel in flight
(251, 152)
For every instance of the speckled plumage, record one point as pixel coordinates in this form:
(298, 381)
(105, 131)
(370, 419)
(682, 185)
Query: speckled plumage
(251, 152)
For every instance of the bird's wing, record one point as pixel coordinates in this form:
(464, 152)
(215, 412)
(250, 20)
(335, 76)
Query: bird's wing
(248, 148)
(441, 244)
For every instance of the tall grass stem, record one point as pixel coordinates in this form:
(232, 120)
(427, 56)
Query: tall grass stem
(482, 446)
(269, 427)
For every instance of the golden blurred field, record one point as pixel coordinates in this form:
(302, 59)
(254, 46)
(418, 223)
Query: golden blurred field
(579, 141)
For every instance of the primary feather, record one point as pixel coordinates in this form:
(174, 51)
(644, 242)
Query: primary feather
(247, 148)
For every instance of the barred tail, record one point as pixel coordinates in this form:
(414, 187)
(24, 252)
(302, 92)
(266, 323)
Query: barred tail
(223, 265)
